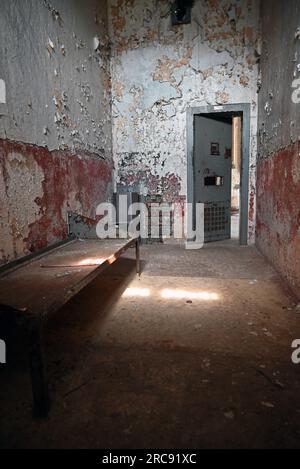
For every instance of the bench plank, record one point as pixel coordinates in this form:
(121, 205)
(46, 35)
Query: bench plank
(45, 284)
(30, 291)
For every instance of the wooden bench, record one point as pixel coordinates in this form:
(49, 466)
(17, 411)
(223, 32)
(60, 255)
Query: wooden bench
(34, 287)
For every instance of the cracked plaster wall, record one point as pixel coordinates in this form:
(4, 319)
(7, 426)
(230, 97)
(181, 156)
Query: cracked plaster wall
(278, 166)
(55, 118)
(57, 84)
(159, 70)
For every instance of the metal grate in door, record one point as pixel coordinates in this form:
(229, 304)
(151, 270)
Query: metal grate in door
(214, 218)
(216, 221)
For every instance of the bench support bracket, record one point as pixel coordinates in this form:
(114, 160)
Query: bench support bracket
(38, 372)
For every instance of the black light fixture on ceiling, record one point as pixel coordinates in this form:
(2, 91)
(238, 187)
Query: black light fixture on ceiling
(181, 11)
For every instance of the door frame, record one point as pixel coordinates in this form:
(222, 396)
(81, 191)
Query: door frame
(243, 110)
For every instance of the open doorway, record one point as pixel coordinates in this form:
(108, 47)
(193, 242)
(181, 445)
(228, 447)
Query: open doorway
(218, 169)
(236, 154)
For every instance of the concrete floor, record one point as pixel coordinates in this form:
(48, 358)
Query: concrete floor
(196, 353)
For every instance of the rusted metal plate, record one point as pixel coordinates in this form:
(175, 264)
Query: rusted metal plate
(80, 226)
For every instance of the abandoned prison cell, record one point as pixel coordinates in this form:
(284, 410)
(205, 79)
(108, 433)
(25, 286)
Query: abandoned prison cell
(150, 224)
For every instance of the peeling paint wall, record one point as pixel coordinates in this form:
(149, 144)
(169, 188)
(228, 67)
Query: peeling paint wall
(55, 120)
(279, 124)
(278, 170)
(159, 70)
(38, 186)
(57, 84)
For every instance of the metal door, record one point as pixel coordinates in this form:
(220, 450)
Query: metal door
(212, 173)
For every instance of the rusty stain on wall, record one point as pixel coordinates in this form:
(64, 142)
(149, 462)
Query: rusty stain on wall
(278, 166)
(278, 211)
(38, 187)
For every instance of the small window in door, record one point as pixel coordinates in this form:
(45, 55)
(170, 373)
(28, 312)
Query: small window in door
(213, 181)
(214, 149)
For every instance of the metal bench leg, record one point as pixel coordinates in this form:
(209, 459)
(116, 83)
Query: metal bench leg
(38, 373)
(137, 254)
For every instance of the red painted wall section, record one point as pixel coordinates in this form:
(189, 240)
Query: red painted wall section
(38, 187)
(278, 212)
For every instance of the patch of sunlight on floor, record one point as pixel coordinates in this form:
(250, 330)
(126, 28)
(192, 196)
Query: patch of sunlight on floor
(172, 294)
(192, 295)
(136, 292)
